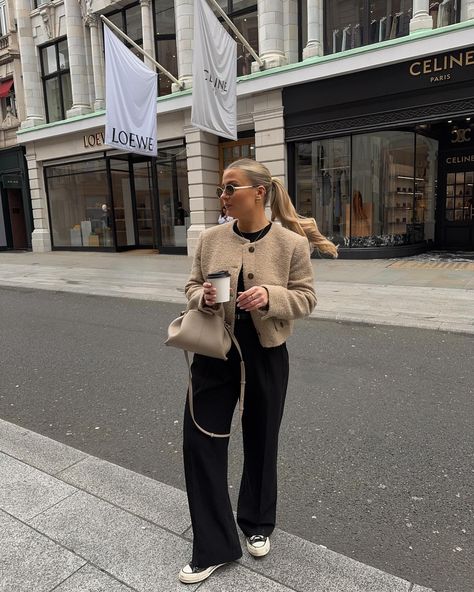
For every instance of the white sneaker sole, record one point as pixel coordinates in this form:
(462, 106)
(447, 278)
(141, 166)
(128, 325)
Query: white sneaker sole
(190, 578)
(259, 551)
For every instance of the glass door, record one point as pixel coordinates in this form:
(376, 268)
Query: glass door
(142, 180)
(123, 203)
(458, 209)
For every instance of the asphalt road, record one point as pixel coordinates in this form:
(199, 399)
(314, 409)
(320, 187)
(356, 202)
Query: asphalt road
(377, 451)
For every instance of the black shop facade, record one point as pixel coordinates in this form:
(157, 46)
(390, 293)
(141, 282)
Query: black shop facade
(384, 158)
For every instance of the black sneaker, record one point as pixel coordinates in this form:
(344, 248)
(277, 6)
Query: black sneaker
(258, 545)
(191, 574)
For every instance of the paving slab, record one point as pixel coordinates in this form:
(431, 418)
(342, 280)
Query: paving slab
(30, 562)
(306, 567)
(235, 578)
(25, 491)
(39, 451)
(162, 504)
(132, 550)
(91, 579)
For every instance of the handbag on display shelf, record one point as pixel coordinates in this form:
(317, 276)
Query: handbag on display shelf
(205, 332)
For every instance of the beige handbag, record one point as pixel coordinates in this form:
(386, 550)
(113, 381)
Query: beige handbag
(201, 331)
(205, 332)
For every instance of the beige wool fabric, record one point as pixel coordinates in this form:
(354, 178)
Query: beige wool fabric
(280, 261)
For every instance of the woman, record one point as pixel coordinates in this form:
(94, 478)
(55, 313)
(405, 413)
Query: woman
(224, 217)
(271, 284)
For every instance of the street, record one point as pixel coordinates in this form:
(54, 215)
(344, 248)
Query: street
(376, 453)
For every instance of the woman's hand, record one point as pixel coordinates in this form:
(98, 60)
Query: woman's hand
(209, 294)
(253, 298)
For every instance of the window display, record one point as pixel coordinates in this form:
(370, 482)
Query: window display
(444, 13)
(369, 190)
(353, 24)
(79, 205)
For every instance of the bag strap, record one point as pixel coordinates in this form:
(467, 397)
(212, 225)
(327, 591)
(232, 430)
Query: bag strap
(241, 394)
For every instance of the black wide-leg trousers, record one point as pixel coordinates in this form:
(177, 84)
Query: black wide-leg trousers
(216, 386)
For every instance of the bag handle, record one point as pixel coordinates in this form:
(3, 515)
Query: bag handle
(241, 394)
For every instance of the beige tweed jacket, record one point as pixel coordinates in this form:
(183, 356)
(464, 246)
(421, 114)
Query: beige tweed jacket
(280, 261)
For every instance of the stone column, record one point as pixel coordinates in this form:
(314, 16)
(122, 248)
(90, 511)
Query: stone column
(421, 16)
(203, 178)
(41, 237)
(147, 27)
(77, 59)
(33, 89)
(314, 46)
(184, 19)
(97, 58)
(290, 30)
(270, 34)
(270, 148)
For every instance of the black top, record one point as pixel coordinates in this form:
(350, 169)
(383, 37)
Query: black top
(252, 237)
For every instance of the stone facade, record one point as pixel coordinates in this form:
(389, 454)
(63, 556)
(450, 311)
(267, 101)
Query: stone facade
(260, 108)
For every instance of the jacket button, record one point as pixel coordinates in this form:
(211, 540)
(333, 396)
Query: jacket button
(251, 249)
(250, 276)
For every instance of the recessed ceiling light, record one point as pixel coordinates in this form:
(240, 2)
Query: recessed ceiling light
(450, 121)
(468, 119)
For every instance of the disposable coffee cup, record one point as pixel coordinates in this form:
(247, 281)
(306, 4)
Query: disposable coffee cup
(221, 282)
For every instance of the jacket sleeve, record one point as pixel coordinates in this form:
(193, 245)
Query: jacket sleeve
(298, 298)
(193, 290)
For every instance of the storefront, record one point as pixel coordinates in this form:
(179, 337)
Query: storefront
(116, 201)
(16, 222)
(382, 158)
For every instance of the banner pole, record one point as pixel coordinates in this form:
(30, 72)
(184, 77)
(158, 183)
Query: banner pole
(238, 34)
(147, 55)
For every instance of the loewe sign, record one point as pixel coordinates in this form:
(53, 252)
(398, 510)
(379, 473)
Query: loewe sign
(93, 140)
(443, 67)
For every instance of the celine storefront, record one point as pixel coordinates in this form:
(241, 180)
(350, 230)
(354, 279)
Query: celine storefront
(384, 158)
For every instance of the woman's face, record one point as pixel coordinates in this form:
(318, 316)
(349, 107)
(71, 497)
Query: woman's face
(243, 202)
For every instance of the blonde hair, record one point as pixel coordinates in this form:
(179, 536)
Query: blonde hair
(281, 206)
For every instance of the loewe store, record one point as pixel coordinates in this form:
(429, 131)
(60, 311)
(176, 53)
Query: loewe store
(384, 158)
(102, 199)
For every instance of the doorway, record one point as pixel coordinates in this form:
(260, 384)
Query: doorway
(131, 184)
(456, 206)
(13, 232)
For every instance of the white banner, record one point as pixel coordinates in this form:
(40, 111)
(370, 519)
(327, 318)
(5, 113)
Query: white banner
(130, 98)
(214, 107)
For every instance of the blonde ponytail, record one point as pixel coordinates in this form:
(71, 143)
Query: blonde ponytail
(282, 208)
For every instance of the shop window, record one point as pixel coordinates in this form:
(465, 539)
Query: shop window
(350, 24)
(173, 195)
(444, 13)
(165, 42)
(370, 190)
(383, 186)
(243, 13)
(56, 80)
(459, 197)
(426, 177)
(322, 175)
(79, 205)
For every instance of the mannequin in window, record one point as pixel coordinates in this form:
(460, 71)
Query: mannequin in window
(361, 221)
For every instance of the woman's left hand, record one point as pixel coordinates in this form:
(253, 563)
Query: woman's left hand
(253, 298)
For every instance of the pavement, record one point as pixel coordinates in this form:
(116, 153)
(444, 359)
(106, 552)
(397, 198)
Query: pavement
(70, 522)
(431, 291)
